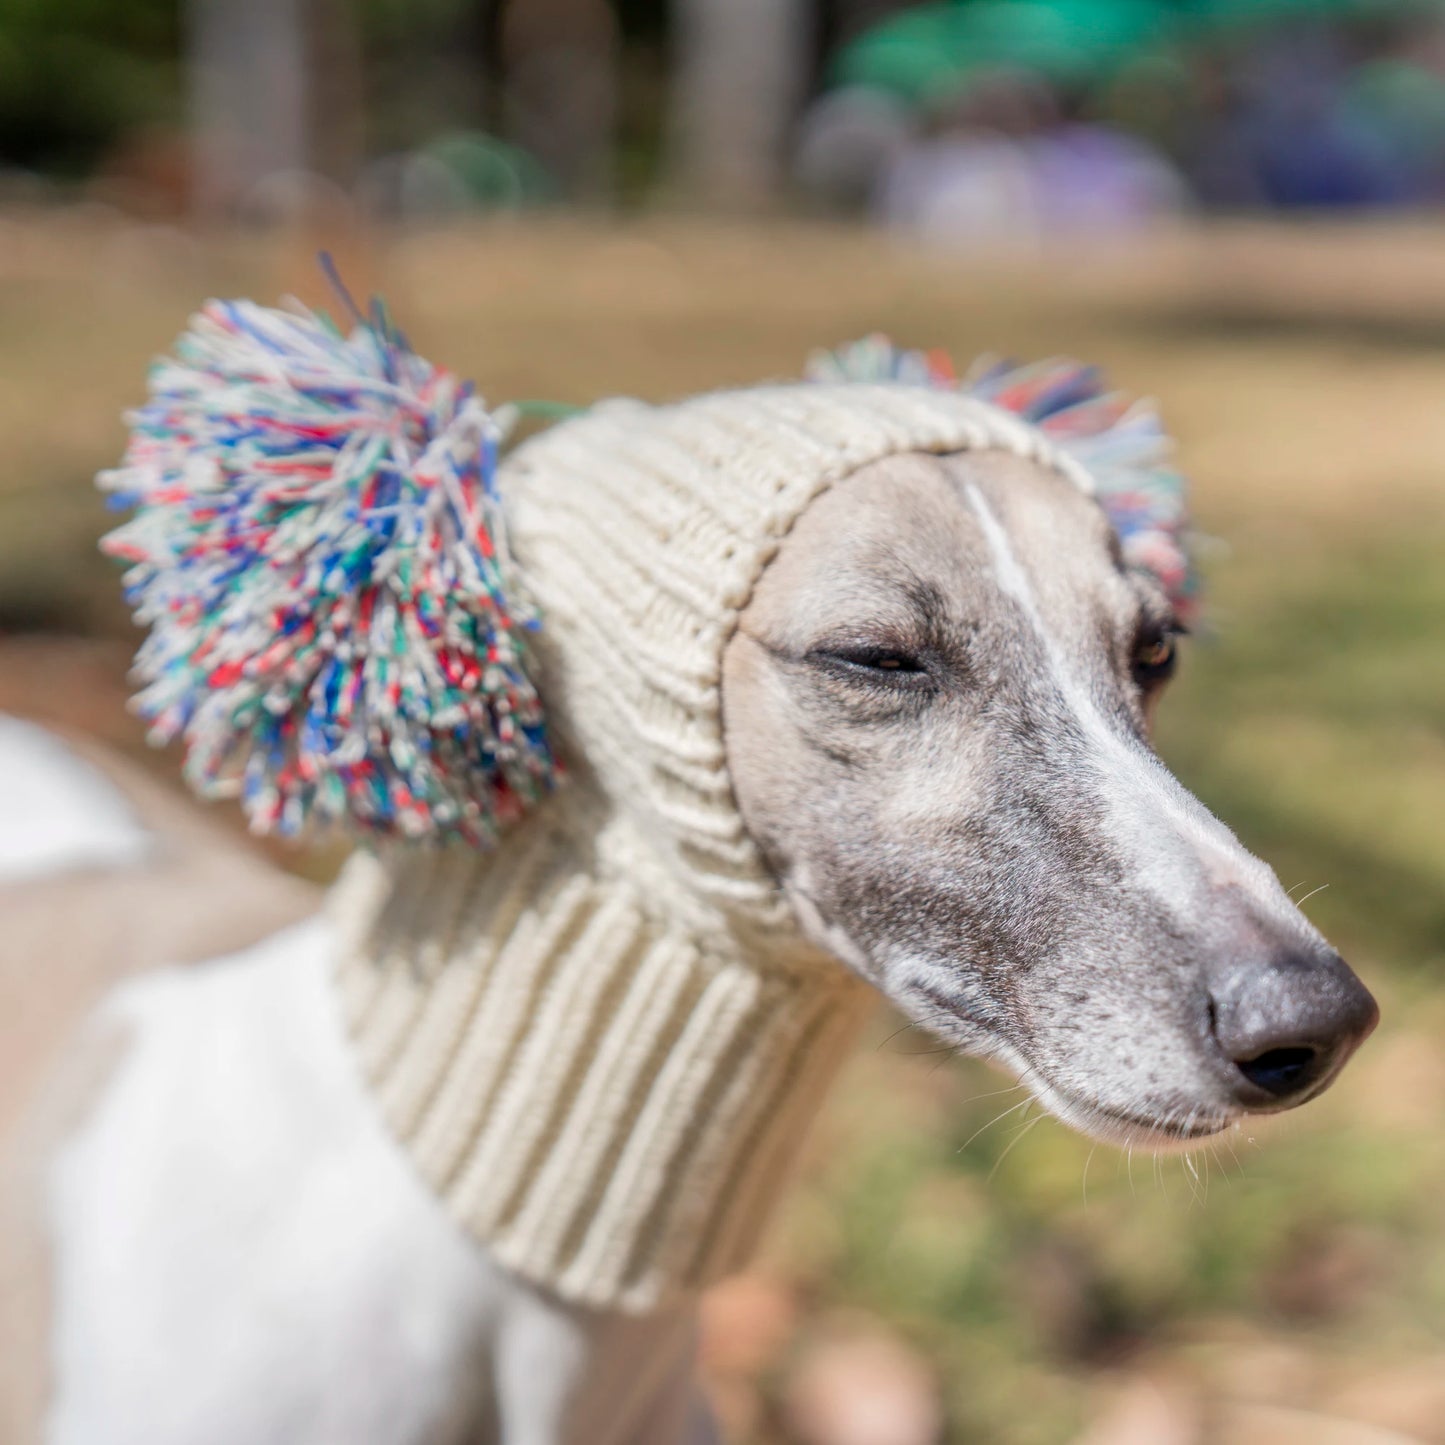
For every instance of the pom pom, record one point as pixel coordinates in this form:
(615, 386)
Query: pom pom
(318, 550)
(1120, 441)
(1122, 444)
(876, 358)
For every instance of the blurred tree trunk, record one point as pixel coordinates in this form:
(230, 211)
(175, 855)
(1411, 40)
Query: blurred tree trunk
(740, 75)
(248, 96)
(334, 103)
(559, 67)
(274, 91)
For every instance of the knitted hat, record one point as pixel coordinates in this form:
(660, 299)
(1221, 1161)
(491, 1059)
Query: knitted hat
(600, 1040)
(601, 1045)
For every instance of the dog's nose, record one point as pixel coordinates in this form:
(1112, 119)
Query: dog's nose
(1285, 1028)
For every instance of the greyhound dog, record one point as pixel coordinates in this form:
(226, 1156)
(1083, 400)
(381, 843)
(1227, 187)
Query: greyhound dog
(937, 704)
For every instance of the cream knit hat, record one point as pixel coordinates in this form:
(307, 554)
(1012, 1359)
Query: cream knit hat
(590, 1020)
(601, 1044)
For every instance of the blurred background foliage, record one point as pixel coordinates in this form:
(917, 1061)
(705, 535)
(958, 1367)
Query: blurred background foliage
(1230, 204)
(76, 76)
(953, 117)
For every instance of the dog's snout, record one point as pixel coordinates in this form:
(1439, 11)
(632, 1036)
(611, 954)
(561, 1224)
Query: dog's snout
(1284, 1028)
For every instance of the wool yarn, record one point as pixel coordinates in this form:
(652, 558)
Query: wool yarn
(338, 633)
(601, 1043)
(318, 549)
(1119, 439)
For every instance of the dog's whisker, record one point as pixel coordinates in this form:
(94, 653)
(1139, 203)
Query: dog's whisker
(997, 1118)
(1022, 1131)
(1234, 1154)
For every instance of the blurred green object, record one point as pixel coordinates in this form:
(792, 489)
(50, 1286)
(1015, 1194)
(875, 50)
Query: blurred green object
(936, 48)
(1237, 15)
(939, 48)
(494, 175)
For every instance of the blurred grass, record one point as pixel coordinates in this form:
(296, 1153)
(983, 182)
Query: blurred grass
(1302, 1266)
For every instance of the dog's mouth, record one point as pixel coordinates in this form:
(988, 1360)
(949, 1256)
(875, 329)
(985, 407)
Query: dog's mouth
(1165, 1127)
(1156, 1129)
(1162, 1127)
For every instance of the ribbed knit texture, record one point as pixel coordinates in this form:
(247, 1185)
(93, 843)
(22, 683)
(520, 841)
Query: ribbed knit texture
(601, 1044)
(597, 1096)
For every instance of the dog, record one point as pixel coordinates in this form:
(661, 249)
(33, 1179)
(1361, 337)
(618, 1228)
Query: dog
(933, 697)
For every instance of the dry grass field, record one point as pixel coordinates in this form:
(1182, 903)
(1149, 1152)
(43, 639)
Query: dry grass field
(968, 1280)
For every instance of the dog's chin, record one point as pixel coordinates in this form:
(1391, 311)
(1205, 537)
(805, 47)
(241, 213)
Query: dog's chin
(1158, 1130)
(1174, 1129)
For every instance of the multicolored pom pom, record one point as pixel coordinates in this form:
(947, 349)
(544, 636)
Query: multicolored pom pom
(876, 358)
(1120, 441)
(318, 550)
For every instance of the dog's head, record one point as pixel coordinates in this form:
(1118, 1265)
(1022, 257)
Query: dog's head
(937, 710)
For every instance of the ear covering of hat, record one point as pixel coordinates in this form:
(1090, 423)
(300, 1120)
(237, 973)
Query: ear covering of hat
(601, 1044)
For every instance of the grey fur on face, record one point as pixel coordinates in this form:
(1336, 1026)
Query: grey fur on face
(937, 707)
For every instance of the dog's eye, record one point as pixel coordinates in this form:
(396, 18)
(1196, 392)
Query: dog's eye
(1155, 658)
(887, 662)
(877, 664)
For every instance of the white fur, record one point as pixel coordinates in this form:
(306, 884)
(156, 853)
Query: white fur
(57, 813)
(233, 1212)
(1174, 839)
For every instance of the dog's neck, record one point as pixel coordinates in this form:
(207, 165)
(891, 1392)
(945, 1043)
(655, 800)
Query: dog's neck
(601, 1079)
